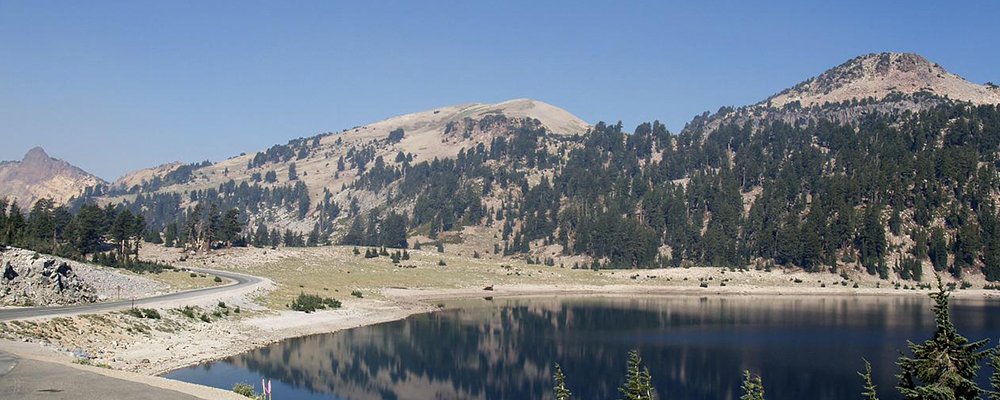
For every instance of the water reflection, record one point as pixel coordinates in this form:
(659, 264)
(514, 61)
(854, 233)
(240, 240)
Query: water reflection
(695, 347)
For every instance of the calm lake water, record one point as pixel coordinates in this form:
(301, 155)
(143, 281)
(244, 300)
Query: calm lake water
(696, 348)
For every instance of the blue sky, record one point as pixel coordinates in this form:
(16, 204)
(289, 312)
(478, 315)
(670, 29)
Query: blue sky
(116, 86)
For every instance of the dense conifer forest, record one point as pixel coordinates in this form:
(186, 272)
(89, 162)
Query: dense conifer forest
(890, 191)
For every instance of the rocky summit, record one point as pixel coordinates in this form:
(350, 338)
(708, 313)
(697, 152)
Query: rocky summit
(39, 176)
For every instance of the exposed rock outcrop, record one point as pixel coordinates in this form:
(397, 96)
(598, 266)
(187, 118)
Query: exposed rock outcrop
(30, 280)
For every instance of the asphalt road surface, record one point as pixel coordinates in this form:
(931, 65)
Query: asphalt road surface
(238, 283)
(24, 379)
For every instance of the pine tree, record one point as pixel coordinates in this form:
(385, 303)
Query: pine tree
(938, 250)
(87, 228)
(995, 376)
(231, 227)
(638, 382)
(869, 392)
(260, 237)
(15, 225)
(170, 235)
(275, 237)
(559, 388)
(753, 387)
(945, 366)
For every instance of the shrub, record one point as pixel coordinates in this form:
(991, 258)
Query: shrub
(149, 313)
(309, 302)
(217, 279)
(357, 293)
(194, 275)
(187, 311)
(222, 304)
(246, 390)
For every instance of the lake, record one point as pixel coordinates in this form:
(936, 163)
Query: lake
(695, 347)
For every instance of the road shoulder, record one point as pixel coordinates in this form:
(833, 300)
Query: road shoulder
(32, 378)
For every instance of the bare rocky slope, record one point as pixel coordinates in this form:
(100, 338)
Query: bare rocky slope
(880, 75)
(878, 83)
(29, 280)
(433, 134)
(32, 279)
(39, 176)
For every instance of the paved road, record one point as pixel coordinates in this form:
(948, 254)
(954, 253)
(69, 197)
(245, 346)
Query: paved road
(33, 379)
(238, 282)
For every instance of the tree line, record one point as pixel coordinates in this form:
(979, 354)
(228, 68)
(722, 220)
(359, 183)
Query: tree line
(821, 195)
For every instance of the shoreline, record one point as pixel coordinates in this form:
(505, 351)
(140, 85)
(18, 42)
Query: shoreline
(392, 293)
(409, 302)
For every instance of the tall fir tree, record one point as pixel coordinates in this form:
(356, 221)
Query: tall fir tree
(638, 382)
(945, 366)
(559, 388)
(869, 392)
(753, 387)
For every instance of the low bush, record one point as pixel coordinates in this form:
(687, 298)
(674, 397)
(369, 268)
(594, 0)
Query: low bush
(149, 313)
(310, 302)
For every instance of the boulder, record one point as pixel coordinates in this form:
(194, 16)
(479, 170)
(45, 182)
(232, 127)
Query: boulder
(33, 280)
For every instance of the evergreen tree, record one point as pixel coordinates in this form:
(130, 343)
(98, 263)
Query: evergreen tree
(275, 237)
(994, 394)
(991, 257)
(313, 239)
(753, 388)
(230, 227)
(638, 382)
(869, 393)
(3, 219)
(40, 228)
(14, 229)
(260, 236)
(938, 250)
(170, 235)
(87, 229)
(945, 366)
(872, 242)
(559, 389)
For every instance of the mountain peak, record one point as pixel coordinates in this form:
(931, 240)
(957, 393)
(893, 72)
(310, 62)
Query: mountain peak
(557, 120)
(38, 176)
(35, 155)
(878, 75)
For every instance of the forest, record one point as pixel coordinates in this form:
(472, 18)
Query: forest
(892, 193)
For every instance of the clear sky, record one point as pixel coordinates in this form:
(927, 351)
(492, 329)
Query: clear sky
(116, 86)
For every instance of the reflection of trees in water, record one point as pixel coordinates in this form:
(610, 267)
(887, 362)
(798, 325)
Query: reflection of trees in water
(696, 348)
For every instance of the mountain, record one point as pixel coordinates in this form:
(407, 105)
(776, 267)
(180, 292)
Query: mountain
(884, 165)
(878, 83)
(39, 176)
(881, 75)
(327, 166)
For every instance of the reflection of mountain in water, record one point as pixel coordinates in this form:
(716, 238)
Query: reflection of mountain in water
(696, 348)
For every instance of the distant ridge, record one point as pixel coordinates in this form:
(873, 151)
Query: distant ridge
(39, 176)
(879, 75)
